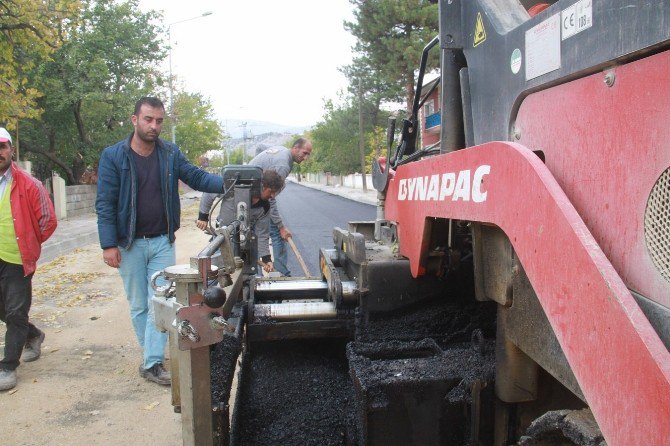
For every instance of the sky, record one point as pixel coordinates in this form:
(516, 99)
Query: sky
(264, 60)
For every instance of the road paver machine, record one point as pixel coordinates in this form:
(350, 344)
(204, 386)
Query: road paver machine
(515, 286)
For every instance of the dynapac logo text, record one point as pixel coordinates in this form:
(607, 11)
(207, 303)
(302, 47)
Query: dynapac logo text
(463, 185)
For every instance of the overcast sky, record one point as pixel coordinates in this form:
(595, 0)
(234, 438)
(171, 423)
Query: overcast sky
(264, 60)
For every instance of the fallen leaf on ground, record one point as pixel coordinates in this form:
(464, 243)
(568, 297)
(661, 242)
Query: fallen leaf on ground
(152, 405)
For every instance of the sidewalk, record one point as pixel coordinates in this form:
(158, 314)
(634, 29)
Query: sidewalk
(80, 231)
(70, 234)
(368, 197)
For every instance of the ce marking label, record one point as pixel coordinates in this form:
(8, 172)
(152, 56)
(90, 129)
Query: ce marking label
(576, 18)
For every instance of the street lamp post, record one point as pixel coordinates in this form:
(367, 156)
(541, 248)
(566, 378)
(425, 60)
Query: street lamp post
(169, 28)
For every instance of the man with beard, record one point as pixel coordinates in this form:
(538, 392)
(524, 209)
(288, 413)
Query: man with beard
(27, 219)
(138, 213)
(259, 215)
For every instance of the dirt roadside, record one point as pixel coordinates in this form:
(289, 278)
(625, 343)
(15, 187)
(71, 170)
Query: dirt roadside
(85, 389)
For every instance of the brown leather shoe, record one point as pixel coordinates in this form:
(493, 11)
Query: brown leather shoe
(156, 373)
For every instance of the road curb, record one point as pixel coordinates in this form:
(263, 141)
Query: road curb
(369, 197)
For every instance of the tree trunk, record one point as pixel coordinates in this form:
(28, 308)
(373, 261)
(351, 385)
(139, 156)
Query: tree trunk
(78, 165)
(361, 134)
(83, 136)
(375, 111)
(53, 158)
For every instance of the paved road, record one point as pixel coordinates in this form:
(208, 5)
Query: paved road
(311, 215)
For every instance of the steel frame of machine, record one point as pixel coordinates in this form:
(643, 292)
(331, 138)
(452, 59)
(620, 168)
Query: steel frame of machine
(508, 76)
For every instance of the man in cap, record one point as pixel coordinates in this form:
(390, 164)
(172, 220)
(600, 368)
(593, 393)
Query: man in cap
(281, 160)
(27, 219)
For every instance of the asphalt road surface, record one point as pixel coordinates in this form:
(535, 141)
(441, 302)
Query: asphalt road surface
(311, 215)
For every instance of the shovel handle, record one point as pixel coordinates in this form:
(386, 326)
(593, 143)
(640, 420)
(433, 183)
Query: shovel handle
(297, 254)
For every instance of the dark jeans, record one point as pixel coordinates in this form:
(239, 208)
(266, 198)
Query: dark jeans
(15, 299)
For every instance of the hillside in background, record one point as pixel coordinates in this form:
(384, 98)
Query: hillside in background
(255, 136)
(236, 128)
(254, 144)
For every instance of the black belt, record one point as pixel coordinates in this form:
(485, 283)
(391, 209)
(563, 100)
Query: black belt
(151, 235)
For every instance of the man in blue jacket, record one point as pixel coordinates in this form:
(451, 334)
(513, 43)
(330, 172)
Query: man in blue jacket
(138, 213)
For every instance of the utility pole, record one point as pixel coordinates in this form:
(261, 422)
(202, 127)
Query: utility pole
(173, 116)
(226, 156)
(244, 142)
(17, 139)
(361, 136)
(248, 139)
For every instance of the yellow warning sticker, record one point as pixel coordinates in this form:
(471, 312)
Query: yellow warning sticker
(480, 32)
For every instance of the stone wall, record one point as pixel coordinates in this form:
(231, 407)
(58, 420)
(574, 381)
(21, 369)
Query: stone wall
(80, 199)
(354, 180)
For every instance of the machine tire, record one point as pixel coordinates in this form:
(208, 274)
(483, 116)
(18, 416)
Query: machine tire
(563, 428)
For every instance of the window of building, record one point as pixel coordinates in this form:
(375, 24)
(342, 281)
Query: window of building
(429, 107)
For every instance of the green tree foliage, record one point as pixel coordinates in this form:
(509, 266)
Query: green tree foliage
(335, 139)
(217, 162)
(377, 144)
(390, 37)
(375, 88)
(30, 30)
(236, 156)
(92, 82)
(197, 129)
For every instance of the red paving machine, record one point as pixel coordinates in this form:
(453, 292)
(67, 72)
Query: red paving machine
(515, 288)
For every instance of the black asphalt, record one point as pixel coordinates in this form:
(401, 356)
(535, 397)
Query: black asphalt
(311, 215)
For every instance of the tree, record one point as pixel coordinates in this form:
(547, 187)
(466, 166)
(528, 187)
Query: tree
(376, 141)
(30, 30)
(376, 89)
(390, 38)
(216, 162)
(197, 129)
(92, 83)
(236, 156)
(335, 139)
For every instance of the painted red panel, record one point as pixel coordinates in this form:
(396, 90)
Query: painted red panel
(606, 147)
(606, 338)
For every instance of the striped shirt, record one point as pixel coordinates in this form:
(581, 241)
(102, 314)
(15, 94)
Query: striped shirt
(5, 180)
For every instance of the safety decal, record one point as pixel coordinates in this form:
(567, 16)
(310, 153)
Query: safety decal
(515, 61)
(480, 32)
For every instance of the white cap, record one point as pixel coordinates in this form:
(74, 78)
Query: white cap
(4, 135)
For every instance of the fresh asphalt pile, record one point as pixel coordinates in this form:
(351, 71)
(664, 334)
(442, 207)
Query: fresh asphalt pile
(223, 358)
(300, 392)
(445, 320)
(295, 393)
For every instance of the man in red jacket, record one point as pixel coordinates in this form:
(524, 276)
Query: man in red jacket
(27, 219)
